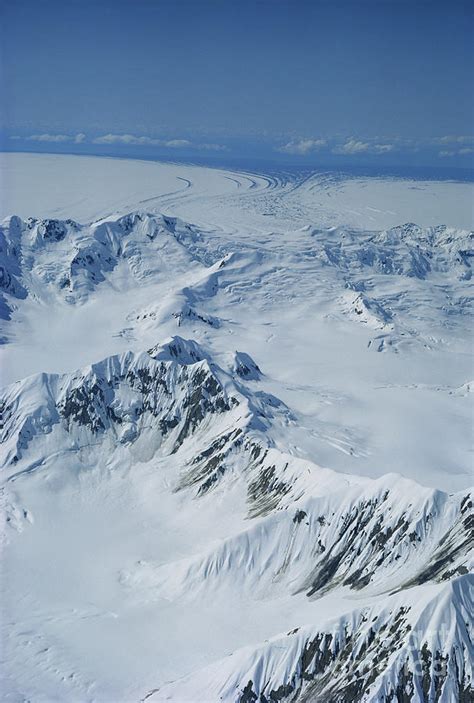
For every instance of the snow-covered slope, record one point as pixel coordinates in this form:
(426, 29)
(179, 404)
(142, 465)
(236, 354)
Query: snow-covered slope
(315, 532)
(236, 437)
(414, 647)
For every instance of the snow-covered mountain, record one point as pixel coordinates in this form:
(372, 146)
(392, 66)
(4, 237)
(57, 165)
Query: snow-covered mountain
(60, 258)
(213, 488)
(315, 530)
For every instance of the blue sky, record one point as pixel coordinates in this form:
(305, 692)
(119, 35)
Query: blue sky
(386, 81)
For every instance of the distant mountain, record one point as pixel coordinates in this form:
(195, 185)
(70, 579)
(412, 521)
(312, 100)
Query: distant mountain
(60, 258)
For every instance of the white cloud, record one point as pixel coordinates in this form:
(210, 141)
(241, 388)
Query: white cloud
(53, 138)
(213, 147)
(302, 146)
(456, 152)
(50, 138)
(355, 146)
(352, 146)
(152, 141)
(125, 139)
(177, 143)
(383, 148)
(454, 139)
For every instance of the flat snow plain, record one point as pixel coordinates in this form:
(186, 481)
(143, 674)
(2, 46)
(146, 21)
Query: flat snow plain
(375, 385)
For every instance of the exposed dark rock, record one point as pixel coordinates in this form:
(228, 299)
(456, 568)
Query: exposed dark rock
(265, 491)
(299, 516)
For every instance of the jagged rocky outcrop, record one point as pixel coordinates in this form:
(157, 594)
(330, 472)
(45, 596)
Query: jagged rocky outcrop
(245, 367)
(168, 394)
(363, 309)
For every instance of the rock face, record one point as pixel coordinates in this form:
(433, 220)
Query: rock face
(11, 286)
(245, 367)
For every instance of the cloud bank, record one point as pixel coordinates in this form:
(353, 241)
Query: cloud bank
(53, 138)
(132, 139)
(442, 147)
(355, 146)
(124, 139)
(302, 146)
(350, 146)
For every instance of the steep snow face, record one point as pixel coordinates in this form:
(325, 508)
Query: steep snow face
(412, 648)
(367, 538)
(172, 529)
